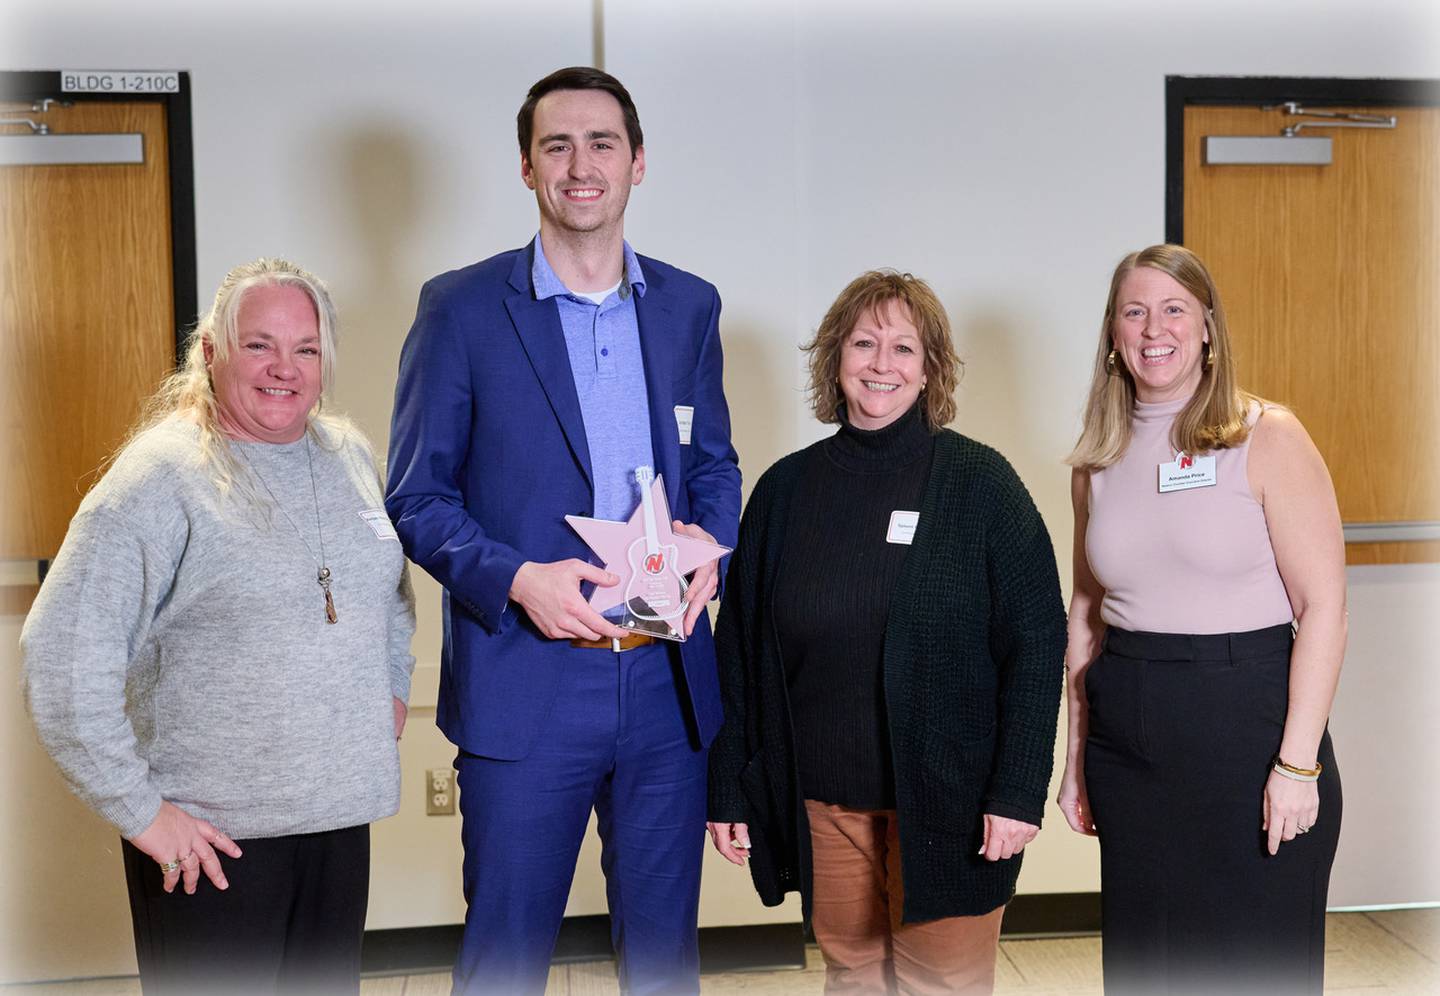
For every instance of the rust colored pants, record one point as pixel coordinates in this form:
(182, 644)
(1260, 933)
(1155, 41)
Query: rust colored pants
(856, 915)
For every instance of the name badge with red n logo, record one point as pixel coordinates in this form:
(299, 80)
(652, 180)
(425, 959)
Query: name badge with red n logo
(1186, 472)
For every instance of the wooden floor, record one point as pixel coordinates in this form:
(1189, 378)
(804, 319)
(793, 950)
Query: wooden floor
(1395, 951)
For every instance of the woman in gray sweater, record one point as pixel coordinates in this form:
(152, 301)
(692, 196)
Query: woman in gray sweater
(219, 660)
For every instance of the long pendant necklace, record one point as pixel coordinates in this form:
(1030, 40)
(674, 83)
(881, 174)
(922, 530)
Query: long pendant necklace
(322, 576)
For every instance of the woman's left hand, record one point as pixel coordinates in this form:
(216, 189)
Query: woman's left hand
(175, 839)
(1005, 838)
(1290, 808)
(400, 713)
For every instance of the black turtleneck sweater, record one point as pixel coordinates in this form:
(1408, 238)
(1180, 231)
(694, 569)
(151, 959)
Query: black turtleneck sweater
(832, 599)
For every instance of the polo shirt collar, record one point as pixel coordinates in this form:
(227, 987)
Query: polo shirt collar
(546, 284)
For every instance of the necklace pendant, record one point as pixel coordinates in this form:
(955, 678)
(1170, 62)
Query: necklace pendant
(323, 580)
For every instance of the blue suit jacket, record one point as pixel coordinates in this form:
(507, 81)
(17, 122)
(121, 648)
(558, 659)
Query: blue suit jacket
(488, 453)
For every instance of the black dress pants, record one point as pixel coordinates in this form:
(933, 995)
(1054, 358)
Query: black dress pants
(1182, 733)
(291, 921)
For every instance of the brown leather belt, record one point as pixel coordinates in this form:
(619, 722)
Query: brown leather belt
(627, 642)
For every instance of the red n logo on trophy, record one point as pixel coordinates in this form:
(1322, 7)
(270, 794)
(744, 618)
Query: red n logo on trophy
(655, 563)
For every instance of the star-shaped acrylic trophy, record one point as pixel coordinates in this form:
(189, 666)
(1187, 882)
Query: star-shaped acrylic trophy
(650, 559)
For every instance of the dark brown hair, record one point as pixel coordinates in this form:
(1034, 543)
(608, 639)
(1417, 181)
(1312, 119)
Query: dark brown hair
(578, 78)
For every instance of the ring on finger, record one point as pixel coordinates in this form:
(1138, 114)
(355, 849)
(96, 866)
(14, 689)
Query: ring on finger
(170, 866)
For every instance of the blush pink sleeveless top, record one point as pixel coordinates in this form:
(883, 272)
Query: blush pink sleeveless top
(1196, 561)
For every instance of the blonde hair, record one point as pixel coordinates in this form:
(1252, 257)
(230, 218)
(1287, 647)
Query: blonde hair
(1215, 416)
(188, 394)
(866, 295)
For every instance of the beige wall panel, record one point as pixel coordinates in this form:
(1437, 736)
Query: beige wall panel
(62, 883)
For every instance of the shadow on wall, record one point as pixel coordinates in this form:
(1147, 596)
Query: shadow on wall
(759, 402)
(377, 205)
(998, 401)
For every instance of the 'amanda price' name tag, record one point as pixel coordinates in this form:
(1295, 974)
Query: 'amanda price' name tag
(1186, 472)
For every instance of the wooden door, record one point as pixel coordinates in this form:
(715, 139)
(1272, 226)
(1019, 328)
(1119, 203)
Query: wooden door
(1331, 280)
(86, 315)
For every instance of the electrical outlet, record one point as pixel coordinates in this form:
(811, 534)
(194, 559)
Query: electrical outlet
(440, 792)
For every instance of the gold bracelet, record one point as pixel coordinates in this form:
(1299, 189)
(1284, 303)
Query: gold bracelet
(1305, 774)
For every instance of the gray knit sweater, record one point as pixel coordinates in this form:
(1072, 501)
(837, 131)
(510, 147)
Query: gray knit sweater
(178, 648)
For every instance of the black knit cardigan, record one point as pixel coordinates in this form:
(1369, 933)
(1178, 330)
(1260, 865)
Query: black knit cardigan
(974, 647)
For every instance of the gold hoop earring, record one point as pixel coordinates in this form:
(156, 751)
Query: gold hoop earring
(1111, 367)
(1209, 356)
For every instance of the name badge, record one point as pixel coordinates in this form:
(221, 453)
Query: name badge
(379, 523)
(684, 419)
(1186, 472)
(902, 527)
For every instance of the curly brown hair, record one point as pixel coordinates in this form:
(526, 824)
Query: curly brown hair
(866, 295)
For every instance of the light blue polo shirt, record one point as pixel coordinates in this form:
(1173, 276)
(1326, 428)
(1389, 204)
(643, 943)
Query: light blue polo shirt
(604, 345)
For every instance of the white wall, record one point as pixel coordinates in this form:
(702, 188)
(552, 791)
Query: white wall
(1008, 152)
(374, 145)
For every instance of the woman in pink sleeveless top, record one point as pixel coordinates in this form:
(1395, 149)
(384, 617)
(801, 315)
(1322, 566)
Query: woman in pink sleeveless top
(1207, 629)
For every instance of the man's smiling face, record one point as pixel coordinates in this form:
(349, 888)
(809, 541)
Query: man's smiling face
(580, 163)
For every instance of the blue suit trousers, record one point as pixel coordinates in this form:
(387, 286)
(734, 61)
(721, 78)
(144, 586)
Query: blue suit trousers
(618, 741)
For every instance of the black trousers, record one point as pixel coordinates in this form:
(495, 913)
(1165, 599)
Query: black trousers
(291, 921)
(1182, 732)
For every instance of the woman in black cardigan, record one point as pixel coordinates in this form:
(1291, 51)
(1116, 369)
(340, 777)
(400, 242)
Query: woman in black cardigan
(890, 648)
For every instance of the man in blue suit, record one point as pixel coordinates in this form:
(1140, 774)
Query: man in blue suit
(532, 385)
